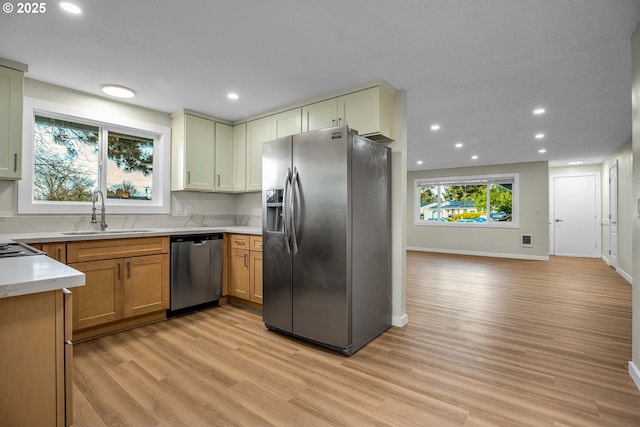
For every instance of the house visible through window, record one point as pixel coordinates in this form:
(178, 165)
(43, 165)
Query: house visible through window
(474, 200)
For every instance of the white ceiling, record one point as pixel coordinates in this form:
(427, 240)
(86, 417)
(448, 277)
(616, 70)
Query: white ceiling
(476, 67)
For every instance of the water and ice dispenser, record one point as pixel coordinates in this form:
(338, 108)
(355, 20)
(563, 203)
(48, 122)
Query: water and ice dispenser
(275, 213)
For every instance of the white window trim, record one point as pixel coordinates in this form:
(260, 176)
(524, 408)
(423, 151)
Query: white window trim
(161, 203)
(515, 214)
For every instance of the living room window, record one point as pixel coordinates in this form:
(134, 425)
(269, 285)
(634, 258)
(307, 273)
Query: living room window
(470, 201)
(67, 158)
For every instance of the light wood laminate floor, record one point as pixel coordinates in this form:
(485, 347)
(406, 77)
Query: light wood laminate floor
(490, 342)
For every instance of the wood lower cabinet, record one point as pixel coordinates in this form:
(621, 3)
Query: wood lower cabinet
(127, 283)
(245, 268)
(36, 360)
(56, 250)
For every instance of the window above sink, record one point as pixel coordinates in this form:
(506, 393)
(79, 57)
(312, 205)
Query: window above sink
(69, 152)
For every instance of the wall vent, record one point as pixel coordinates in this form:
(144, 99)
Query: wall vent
(526, 241)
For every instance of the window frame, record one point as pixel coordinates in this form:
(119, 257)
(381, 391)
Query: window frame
(107, 120)
(488, 179)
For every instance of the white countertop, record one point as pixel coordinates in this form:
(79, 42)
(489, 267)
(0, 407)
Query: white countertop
(35, 273)
(65, 236)
(39, 273)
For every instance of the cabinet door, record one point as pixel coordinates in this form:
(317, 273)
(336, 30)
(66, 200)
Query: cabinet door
(199, 153)
(240, 157)
(286, 123)
(11, 88)
(361, 110)
(320, 115)
(146, 284)
(100, 300)
(31, 343)
(258, 131)
(255, 276)
(224, 157)
(240, 273)
(57, 251)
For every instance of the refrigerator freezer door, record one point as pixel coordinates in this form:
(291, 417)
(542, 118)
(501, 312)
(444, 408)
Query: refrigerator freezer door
(277, 262)
(321, 267)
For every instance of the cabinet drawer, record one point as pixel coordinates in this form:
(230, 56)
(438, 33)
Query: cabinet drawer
(95, 250)
(255, 243)
(240, 241)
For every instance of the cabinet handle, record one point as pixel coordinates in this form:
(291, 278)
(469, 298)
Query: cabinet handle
(218, 180)
(60, 254)
(333, 122)
(240, 242)
(246, 261)
(15, 162)
(68, 342)
(339, 121)
(119, 274)
(128, 270)
(188, 177)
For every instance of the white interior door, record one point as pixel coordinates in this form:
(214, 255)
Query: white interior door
(575, 216)
(613, 215)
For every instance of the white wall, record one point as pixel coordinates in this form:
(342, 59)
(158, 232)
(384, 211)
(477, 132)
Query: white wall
(624, 157)
(534, 217)
(635, 136)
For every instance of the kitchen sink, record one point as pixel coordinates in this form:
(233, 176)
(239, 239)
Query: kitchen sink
(90, 233)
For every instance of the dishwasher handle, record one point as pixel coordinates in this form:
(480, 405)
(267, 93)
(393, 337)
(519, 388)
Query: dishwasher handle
(196, 239)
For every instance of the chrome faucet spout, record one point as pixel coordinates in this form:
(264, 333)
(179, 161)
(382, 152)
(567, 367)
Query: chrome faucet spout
(94, 199)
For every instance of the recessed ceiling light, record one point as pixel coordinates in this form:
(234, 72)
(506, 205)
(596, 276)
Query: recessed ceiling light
(459, 145)
(576, 162)
(118, 91)
(539, 111)
(233, 96)
(435, 126)
(419, 162)
(542, 151)
(539, 135)
(70, 7)
(474, 157)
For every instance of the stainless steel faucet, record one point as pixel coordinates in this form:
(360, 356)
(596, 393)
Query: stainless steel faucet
(94, 199)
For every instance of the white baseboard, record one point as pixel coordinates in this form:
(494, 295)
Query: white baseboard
(634, 372)
(487, 254)
(399, 321)
(626, 276)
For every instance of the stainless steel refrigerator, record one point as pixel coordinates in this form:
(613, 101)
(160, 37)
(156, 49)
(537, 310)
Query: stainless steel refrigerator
(326, 222)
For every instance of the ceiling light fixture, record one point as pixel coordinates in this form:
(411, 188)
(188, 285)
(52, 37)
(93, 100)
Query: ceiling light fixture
(474, 157)
(71, 8)
(542, 151)
(419, 162)
(539, 111)
(118, 91)
(576, 162)
(435, 126)
(233, 96)
(459, 145)
(539, 135)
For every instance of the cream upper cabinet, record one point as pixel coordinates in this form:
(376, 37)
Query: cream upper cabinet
(370, 111)
(320, 115)
(258, 131)
(224, 157)
(192, 152)
(286, 123)
(240, 157)
(11, 89)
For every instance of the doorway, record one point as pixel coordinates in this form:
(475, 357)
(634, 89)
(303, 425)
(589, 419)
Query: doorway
(575, 215)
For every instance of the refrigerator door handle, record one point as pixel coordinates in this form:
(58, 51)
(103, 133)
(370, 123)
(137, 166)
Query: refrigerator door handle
(294, 183)
(285, 219)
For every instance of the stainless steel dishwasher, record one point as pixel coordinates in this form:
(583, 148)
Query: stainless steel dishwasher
(196, 271)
